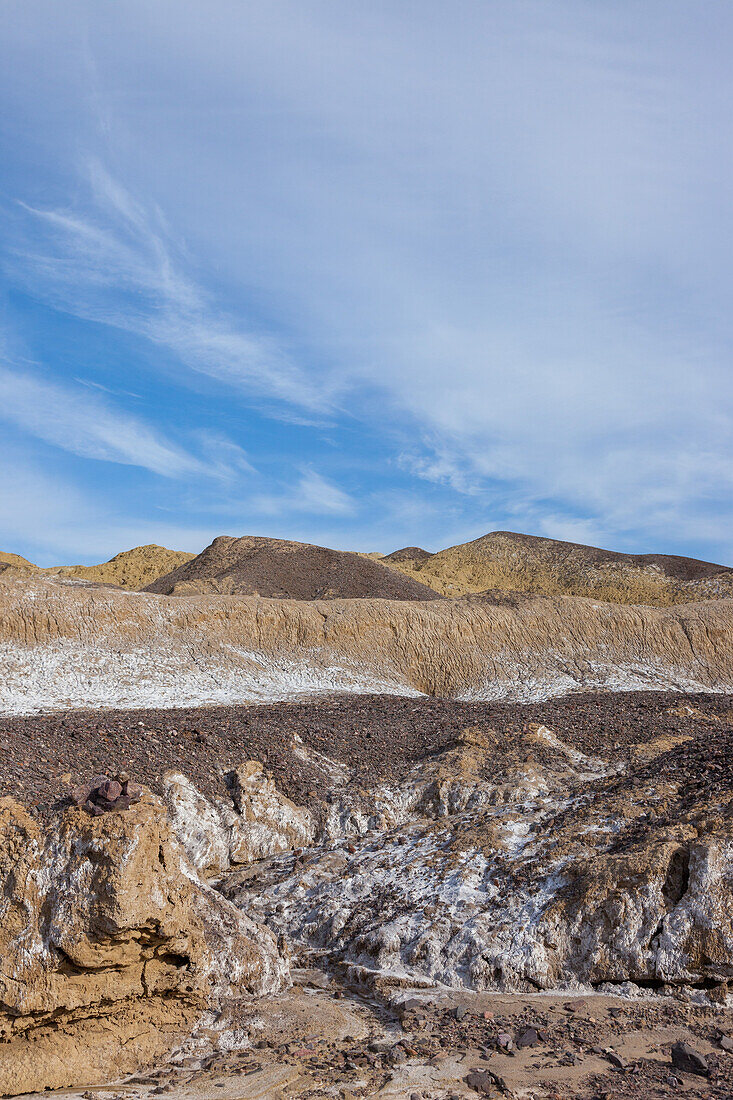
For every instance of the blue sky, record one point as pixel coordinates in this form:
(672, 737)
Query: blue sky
(365, 274)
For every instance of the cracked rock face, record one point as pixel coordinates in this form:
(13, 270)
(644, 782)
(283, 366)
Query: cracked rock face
(256, 821)
(547, 870)
(110, 945)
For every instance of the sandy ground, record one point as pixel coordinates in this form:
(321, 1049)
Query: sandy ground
(320, 1040)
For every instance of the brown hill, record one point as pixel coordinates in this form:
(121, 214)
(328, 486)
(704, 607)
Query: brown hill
(252, 566)
(409, 554)
(129, 569)
(511, 562)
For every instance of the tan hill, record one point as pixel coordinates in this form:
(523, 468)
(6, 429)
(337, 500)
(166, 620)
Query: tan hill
(15, 561)
(511, 562)
(252, 566)
(130, 569)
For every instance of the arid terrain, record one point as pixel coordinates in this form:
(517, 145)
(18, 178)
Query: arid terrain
(286, 570)
(501, 561)
(443, 883)
(289, 824)
(129, 569)
(525, 563)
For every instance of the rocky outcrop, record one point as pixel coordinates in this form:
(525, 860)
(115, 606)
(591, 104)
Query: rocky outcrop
(524, 865)
(108, 936)
(511, 860)
(255, 822)
(73, 646)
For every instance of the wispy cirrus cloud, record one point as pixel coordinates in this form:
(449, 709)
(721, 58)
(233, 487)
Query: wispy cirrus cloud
(497, 242)
(59, 523)
(311, 493)
(113, 261)
(88, 426)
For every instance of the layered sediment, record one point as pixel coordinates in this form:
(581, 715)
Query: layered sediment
(63, 645)
(111, 947)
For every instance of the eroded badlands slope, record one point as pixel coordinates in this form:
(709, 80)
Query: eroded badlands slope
(582, 847)
(67, 645)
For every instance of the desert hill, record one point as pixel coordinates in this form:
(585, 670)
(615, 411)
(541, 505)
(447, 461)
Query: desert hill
(501, 561)
(512, 562)
(132, 569)
(15, 561)
(408, 554)
(129, 569)
(275, 568)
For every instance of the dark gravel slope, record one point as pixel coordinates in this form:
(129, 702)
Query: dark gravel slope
(377, 736)
(278, 569)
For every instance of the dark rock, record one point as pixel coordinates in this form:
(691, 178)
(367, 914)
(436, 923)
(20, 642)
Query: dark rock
(687, 1059)
(726, 1043)
(109, 791)
(80, 794)
(460, 1011)
(615, 1059)
(84, 791)
(528, 1038)
(481, 1081)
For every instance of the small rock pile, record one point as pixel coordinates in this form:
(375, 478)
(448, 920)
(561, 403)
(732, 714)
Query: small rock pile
(101, 794)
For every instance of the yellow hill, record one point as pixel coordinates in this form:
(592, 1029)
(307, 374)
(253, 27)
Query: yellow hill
(512, 562)
(14, 561)
(131, 568)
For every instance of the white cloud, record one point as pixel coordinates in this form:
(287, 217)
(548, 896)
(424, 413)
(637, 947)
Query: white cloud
(86, 426)
(114, 263)
(509, 231)
(312, 494)
(57, 523)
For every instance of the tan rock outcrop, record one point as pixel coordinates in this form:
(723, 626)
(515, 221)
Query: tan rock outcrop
(75, 646)
(107, 934)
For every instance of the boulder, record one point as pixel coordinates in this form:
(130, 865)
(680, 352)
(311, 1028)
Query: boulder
(107, 935)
